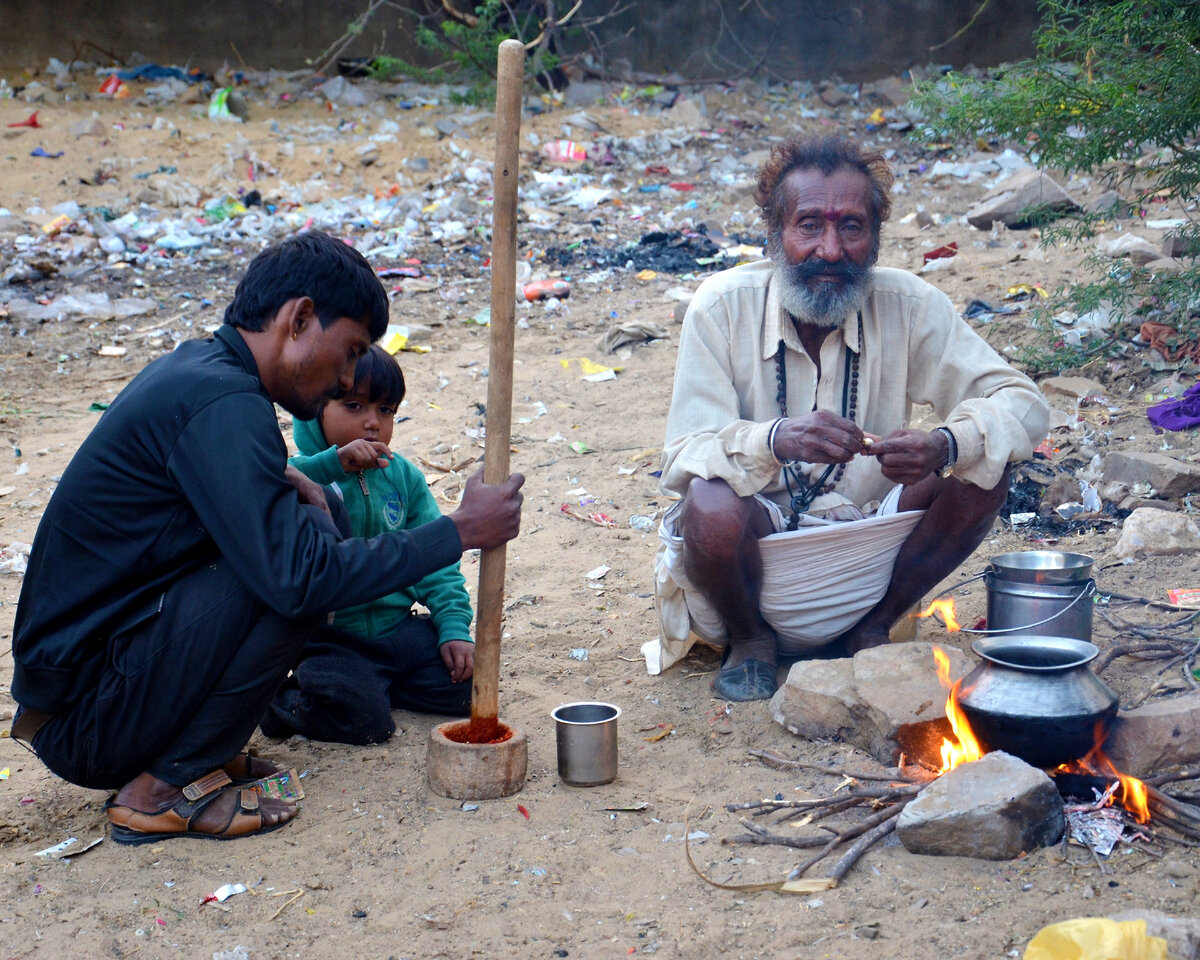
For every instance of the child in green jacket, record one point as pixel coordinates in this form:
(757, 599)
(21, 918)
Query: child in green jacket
(379, 655)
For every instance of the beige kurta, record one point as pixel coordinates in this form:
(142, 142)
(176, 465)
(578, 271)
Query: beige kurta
(913, 349)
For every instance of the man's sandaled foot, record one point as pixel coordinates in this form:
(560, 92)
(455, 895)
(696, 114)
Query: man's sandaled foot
(248, 767)
(211, 808)
(749, 680)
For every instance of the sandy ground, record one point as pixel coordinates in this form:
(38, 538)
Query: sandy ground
(377, 865)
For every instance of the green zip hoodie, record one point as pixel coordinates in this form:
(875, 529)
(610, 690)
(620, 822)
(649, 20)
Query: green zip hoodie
(395, 498)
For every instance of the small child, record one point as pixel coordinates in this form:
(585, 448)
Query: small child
(381, 654)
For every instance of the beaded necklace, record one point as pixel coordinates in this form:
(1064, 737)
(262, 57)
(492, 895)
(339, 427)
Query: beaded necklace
(802, 490)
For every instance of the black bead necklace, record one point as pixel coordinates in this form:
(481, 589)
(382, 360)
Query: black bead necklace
(802, 490)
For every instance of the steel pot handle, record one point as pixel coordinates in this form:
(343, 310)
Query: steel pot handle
(1088, 592)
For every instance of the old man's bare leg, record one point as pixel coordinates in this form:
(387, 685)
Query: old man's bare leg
(720, 533)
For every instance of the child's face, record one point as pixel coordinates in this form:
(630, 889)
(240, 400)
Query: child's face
(354, 417)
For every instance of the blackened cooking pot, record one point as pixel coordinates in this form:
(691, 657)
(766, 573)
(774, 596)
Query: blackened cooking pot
(1036, 698)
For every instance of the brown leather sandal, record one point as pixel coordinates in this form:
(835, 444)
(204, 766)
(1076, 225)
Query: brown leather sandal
(133, 827)
(239, 768)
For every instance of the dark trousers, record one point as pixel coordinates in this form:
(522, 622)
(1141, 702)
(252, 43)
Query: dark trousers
(183, 688)
(345, 686)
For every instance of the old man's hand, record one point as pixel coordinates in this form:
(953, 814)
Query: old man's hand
(908, 456)
(819, 437)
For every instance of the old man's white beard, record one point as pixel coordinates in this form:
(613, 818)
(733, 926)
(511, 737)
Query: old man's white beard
(830, 303)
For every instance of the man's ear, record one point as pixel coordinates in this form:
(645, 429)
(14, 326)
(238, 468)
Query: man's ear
(298, 314)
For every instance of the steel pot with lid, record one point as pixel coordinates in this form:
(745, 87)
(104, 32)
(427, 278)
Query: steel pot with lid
(1036, 698)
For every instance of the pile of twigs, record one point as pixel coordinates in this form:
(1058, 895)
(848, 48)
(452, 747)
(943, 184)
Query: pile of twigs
(1171, 643)
(884, 795)
(858, 789)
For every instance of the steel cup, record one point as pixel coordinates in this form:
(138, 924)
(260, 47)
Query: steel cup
(587, 742)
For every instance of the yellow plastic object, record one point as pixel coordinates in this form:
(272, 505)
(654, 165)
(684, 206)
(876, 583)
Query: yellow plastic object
(1096, 938)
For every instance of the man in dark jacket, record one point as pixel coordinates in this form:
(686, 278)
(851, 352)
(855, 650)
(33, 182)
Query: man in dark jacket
(180, 565)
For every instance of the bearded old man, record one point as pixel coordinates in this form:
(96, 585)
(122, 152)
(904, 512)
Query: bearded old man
(811, 515)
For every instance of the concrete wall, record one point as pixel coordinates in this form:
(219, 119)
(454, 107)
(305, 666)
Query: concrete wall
(695, 38)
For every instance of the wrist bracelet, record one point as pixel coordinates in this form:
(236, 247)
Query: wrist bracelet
(771, 440)
(951, 451)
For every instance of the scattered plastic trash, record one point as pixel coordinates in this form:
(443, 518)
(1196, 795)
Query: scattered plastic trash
(598, 573)
(941, 253)
(631, 331)
(30, 121)
(982, 310)
(1024, 291)
(69, 846)
(14, 558)
(542, 289)
(224, 105)
(643, 523)
(599, 519)
(41, 152)
(578, 653)
(224, 892)
(564, 152)
(113, 87)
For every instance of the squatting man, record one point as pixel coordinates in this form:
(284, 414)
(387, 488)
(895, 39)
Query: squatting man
(812, 516)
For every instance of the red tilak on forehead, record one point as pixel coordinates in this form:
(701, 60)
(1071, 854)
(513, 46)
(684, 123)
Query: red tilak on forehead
(833, 216)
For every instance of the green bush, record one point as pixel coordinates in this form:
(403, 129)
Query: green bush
(469, 53)
(1113, 91)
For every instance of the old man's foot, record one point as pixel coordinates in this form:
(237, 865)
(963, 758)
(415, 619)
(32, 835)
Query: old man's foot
(748, 670)
(147, 809)
(861, 637)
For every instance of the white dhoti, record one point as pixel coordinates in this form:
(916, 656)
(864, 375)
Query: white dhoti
(818, 580)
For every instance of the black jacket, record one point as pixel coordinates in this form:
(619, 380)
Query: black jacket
(186, 466)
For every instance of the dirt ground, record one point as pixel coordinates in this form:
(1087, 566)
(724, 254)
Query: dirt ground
(377, 865)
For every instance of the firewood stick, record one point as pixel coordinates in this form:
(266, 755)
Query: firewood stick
(814, 815)
(774, 840)
(1112, 653)
(773, 759)
(850, 857)
(868, 826)
(1178, 775)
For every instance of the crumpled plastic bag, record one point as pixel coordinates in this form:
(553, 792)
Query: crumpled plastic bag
(1096, 938)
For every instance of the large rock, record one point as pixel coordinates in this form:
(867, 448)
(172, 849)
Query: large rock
(1150, 532)
(885, 700)
(1015, 197)
(992, 809)
(1170, 477)
(1155, 736)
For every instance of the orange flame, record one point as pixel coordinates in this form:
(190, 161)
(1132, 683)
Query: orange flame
(946, 609)
(1132, 794)
(965, 747)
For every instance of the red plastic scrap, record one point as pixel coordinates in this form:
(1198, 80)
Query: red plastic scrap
(30, 121)
(523, 811)
(942, 253)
